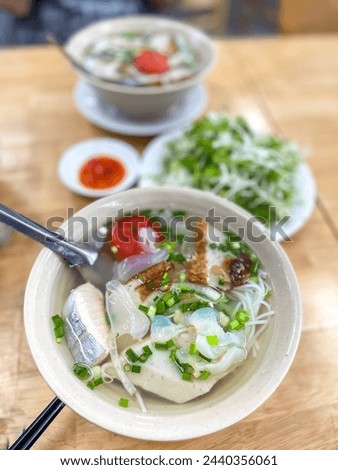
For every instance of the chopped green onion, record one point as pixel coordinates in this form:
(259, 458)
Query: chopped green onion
(171, 301)
(136, 369)
(151, 311)
(147, 350)
(123, 402)
(95, 383)
(143, 308)
(268, 294)
(212, 340)
(186, 376)
(91, 385)
(58, 328)
(131, 354)
(173, 357)
(221, 282)
(57, 320)
(242, 316)
(81, 371)
(168, 245)
(204, 357)
(127, 367)
(235, 325)
(143, 358)
(239, 321)
(192, 348)
(160, 307)
(161, 346)
(170, 344)
(204, 375)
(156, 298)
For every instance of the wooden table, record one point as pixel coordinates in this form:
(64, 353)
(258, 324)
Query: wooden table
(288, 85)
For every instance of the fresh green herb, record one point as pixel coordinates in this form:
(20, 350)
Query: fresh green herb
(220, 141)
(221, 282)
(212, 340)
(131, 355)
(123, 402)
(81, 371)
(150, 286)
(204, 375)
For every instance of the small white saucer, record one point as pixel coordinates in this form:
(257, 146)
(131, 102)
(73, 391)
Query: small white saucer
(75, 156)
(107, 117)
(300, 213)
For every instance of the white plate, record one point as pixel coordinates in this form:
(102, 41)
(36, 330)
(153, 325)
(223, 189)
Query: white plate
(300, 213)
(75, 156)
(108, 117)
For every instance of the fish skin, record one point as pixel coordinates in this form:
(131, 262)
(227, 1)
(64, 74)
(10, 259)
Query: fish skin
(86, 329)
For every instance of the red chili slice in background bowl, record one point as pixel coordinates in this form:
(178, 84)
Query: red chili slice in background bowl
(151, 62)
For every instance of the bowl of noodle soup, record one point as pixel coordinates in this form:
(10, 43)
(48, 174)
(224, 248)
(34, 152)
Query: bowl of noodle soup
(271, 335)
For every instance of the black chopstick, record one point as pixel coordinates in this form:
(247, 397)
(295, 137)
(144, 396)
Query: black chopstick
(38, 426)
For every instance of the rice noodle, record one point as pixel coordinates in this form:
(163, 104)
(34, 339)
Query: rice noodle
(251, 297)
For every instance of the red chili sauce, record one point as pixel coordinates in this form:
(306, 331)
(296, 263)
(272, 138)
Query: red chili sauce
(102, 172)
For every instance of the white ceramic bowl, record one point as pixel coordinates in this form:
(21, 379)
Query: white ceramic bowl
(232, 399)
(145, 101)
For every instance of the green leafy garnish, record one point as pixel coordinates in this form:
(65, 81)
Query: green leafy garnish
(222, 154)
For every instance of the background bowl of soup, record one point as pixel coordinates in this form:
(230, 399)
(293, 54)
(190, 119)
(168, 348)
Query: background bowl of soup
(232, 398)
(142, 65)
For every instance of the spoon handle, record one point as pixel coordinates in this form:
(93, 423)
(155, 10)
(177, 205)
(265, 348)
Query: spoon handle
(38, 426)
(75, 253)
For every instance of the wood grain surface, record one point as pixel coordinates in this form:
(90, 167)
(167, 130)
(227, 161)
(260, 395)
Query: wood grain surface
(288, 85)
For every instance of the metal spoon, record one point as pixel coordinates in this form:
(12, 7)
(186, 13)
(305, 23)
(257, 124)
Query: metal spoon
(82, 69)
(93, 267)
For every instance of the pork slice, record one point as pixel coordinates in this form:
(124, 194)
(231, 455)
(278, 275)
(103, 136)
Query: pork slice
(197, 267)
